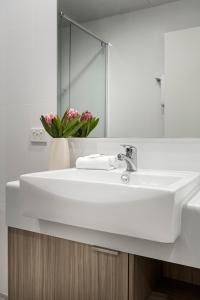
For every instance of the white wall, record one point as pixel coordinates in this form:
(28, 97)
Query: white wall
(181, 83)
(29, 79)
(3, 229)
(136, 57)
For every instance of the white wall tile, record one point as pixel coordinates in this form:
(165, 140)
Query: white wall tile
(28, 88)
(170, 154)
(2, 150)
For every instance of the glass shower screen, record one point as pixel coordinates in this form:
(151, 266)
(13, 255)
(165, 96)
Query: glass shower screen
(82, 62)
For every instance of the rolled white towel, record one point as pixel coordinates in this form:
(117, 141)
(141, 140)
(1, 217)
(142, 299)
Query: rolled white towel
(97, 162)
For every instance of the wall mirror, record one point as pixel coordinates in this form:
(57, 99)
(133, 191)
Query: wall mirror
(135, 64)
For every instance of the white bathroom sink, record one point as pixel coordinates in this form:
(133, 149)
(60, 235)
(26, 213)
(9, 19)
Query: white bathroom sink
(148, 207)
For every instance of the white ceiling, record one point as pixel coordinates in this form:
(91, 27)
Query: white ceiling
(86, 10)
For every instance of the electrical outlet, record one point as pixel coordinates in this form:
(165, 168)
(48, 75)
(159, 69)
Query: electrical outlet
(38, 135)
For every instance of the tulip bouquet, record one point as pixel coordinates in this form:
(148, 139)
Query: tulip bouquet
(72, 124)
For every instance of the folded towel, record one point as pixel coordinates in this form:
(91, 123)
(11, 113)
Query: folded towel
(97, 162)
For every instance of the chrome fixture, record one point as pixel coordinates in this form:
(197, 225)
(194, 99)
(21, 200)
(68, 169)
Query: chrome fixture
(68, 19)
(125, 177)
(130, 158)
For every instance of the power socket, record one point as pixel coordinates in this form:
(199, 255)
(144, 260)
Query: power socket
(38, 135)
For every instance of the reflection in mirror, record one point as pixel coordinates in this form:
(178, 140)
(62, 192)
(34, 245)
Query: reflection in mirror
(154, 66)
(83, 67)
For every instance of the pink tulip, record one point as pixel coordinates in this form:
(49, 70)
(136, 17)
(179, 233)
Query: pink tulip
(86, 116)
(53, 115)
(49, 118)
(72, 114)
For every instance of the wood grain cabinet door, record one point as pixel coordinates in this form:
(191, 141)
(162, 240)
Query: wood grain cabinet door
(88, 273)
(48, 268)
(31, 259)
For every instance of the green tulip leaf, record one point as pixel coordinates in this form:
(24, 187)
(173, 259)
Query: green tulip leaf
(46, 126)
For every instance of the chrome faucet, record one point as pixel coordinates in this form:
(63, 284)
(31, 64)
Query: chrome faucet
(130, 158)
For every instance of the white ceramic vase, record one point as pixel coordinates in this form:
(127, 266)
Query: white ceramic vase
(59, 156)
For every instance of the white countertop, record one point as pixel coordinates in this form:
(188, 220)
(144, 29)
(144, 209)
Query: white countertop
(186, 249)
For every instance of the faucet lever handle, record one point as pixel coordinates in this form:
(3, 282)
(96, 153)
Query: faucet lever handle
(131, 151)
(129, 148)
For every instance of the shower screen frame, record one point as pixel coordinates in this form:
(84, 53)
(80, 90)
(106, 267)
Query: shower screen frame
(62, 18)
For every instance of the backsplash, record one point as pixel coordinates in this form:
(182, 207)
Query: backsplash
(171, 154)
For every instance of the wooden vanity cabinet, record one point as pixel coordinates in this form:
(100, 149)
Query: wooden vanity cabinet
(42, 267)
(152, 279)
(48, 268)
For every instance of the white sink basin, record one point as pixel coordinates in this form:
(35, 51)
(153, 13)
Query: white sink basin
(148, 207)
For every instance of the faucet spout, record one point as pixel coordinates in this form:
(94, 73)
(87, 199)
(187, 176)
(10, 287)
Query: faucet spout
(131, 167)
(130, 158)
